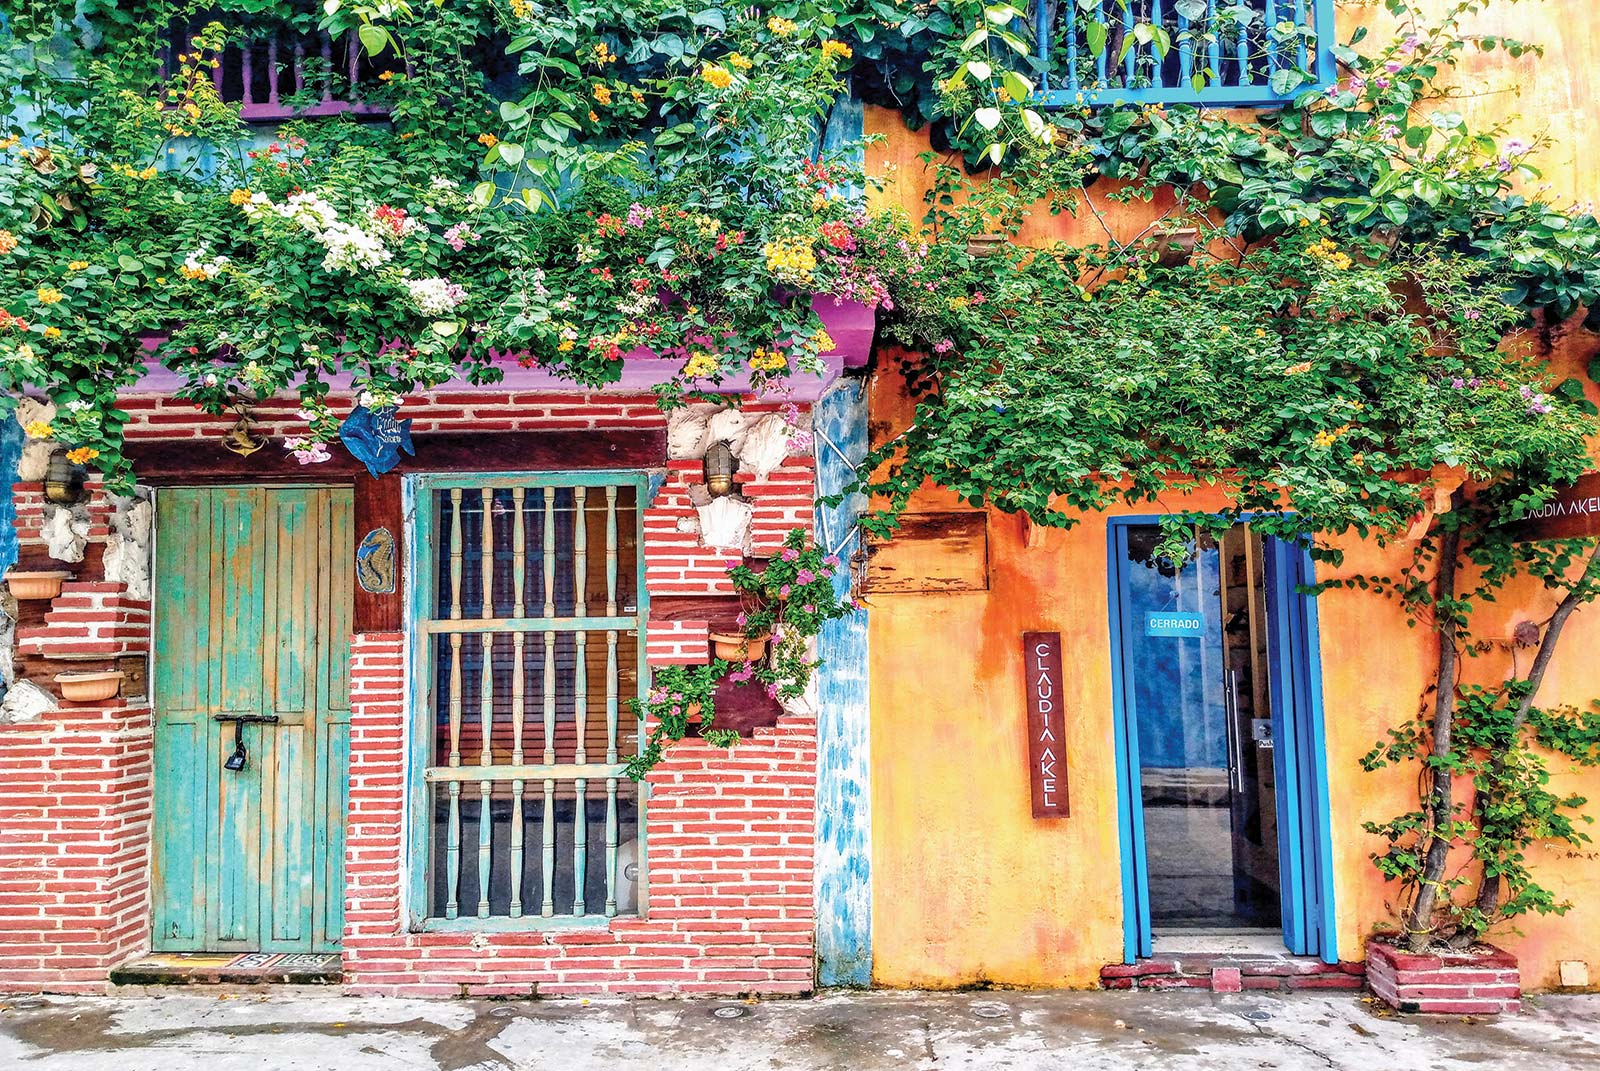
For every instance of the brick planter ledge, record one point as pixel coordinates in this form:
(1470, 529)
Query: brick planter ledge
(1484, 981)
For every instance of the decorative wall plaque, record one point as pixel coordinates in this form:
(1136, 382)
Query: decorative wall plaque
(375, 562)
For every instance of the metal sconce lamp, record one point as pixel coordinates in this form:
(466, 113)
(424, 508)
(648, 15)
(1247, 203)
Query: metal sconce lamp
(720, 465)
(63, 480)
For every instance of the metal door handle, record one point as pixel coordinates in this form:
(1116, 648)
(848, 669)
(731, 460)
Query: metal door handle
(1235, 751)
(240, 756)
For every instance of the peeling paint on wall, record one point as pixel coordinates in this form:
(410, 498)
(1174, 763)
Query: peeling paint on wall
(844, 819)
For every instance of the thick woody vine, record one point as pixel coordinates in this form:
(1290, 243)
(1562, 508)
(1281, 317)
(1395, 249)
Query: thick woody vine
(1346, 342)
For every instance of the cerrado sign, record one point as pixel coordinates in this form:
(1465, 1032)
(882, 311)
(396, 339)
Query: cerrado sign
(1573, 513)
(1047, 755)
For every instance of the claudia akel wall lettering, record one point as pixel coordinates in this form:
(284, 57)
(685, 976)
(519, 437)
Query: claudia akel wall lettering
(1047, 755)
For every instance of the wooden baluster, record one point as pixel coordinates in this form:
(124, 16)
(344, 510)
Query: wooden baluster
(272, 70)
(327, 68)
(611, 782)
(1157, 76)
(611, 551)
(246, 56)
(519, 549)
(453, 835)
(548, 554)
(1214, 45)
(299, 65)
(1243, 50)
(486, 702)
(580, 837)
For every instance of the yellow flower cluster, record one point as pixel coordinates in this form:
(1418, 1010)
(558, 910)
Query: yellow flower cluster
(836, 50)
(239, 196)
(822, 342)
(488, 140)
(1328, 250)
(48, 295)
(739, 62)
(77, 265)
(780, 27)
(765, 360)
(82, 455)
(9, 142)
(8, 241)
(717, 77)
(521, 8)
(603, 54)
(1297, 369)
(791, 260)
(602, 93)
(700, 364)
(52, 333)
(144, 174)
(38, 429)
(1325, 439)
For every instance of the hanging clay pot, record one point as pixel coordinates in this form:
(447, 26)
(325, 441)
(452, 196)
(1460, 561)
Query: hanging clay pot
(89, 687)
(41, 584)
(691, 713)
(736, 647)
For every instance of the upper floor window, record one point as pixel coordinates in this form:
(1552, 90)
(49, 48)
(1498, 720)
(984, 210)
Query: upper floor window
(1233, 53)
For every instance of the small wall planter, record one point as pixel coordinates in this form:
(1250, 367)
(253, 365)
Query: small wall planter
(1174, 247)
(89, 687)
(40, 584)
(1483, 980)
(736, 647)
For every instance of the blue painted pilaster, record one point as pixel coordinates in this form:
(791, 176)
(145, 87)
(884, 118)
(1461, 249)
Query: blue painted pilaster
(10, 454)
(844, 813)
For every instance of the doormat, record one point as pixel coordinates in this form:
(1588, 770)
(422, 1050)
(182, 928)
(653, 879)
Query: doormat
(248, 968)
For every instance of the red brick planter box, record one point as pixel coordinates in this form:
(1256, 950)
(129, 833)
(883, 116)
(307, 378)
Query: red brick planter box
(1484, 981)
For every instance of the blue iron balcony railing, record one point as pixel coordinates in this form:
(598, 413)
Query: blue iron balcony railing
(1230, 53)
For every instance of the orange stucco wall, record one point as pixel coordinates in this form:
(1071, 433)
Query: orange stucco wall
(968, 887)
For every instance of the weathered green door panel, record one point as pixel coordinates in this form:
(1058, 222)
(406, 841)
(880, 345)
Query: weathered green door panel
(252, 618)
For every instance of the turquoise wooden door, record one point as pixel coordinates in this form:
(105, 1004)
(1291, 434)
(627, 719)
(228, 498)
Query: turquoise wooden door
(252, 620)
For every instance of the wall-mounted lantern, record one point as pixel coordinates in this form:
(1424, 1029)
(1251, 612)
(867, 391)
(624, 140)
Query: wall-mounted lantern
(64, 480)
(720, 465)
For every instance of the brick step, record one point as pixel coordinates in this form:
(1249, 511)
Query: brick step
(1232, 973)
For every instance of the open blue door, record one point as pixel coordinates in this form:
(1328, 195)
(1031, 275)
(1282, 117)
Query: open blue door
(1218, 733)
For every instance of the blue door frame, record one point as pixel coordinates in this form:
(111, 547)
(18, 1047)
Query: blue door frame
(1304, 849)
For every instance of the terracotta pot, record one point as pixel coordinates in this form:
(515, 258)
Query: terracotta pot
(1174, 247)
(986, 245)
(735, 647)
(692, 713)
(43, 584)
(89, 687)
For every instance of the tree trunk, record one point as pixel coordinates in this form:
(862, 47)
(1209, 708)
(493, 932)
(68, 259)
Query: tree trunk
(1488, 898)
(1418, 921)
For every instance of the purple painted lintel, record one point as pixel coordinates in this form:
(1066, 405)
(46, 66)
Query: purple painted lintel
(850, 324)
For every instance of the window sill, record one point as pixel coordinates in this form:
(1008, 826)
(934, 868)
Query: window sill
(525, 924)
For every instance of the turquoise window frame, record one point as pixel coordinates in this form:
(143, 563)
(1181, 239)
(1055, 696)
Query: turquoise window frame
(418, 506)
(1305, 862)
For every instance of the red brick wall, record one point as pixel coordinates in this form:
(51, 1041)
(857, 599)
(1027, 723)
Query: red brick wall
(728, 899)
(75, 807)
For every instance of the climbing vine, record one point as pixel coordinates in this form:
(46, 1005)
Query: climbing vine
(563, 184)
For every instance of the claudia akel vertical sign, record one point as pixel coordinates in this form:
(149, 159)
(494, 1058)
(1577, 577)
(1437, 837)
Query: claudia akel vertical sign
(1047, 754)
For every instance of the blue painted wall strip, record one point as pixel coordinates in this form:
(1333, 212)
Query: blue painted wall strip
(844, 815)
(10, 455)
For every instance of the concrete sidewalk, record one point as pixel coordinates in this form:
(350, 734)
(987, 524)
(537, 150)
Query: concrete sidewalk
(317, 1030)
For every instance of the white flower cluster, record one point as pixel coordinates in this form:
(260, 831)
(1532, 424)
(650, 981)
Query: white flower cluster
(197, 265)
(435, 296)
(351, 248)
